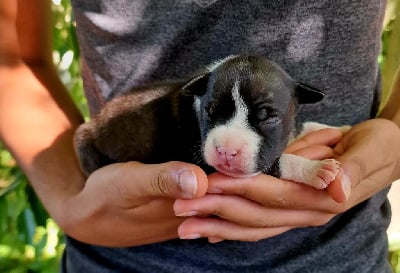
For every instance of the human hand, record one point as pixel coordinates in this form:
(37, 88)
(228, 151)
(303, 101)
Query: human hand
(370, 159)
(260, 207)
(128, 204)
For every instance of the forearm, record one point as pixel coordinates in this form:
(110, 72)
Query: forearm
(37, 128)
(37, 116)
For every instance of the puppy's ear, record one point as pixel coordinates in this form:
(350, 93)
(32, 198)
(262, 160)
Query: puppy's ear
(308, 94)
(196, 86)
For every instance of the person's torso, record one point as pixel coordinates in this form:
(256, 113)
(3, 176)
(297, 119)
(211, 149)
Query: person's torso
(332, 45)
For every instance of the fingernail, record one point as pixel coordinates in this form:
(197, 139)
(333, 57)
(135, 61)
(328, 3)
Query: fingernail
(346, 185)
(187, 181)
(187, 213)
(214, 240)
(190, 236)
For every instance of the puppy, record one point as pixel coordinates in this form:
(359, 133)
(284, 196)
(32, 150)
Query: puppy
(236, 117)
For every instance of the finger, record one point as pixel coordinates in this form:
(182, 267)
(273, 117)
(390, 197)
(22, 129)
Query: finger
(328, 137)
(315, 152)
(340, 188)
(247, 213)
(171, 179)
(273, 192)
(351, 187)
(194, 228)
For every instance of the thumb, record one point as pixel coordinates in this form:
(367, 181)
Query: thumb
(171, 179)
(340, 189)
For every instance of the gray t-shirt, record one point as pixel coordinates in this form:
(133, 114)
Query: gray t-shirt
(333, 45)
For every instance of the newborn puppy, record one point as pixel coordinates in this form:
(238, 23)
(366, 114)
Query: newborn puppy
(236, 117)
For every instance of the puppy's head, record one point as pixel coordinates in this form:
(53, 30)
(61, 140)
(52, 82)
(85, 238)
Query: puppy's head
(246, 108)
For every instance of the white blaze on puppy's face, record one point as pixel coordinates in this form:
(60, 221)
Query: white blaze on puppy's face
(232, 148)
(197, 105)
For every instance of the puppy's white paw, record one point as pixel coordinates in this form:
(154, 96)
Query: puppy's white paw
(316, 173)
(323, 173)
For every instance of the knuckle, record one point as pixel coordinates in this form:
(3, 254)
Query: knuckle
(120, 186)
(121, 190)
(218, 207)
(281, 202)
(245, 191)
(160, 182)
(263, 222)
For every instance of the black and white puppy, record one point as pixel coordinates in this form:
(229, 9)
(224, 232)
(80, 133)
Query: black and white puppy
(236, 117)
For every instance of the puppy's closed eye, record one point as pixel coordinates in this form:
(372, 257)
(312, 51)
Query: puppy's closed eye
(209, 111)
(267, 115)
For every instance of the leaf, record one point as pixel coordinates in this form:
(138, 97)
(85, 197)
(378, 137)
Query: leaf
(39, 212)
(17, 181)
(3, 217)
(27, 225)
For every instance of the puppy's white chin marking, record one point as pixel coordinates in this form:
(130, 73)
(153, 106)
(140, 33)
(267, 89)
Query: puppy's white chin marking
(237, 174)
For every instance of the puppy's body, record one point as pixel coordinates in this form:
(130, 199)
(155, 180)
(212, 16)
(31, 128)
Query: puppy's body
(236, 117)
(151, 124)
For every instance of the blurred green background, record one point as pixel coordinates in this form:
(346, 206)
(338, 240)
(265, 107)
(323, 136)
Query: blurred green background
(29, 240)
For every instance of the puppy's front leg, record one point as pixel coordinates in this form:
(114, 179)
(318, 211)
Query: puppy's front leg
(316, 173)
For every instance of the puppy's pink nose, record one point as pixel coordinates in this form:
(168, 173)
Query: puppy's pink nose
(226, 153)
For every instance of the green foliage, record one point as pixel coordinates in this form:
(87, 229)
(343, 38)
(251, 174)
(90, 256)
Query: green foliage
(30, 241)
(66, 53)
(394, 249)
(390, 53)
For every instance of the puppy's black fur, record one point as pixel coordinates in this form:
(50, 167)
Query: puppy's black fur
(152, 124)
(171, 121)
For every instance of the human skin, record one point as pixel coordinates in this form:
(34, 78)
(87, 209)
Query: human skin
(251, 209)
(131, 203)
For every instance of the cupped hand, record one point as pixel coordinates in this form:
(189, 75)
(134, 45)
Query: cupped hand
(128, 204)
(259, 207)
(370, 158)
